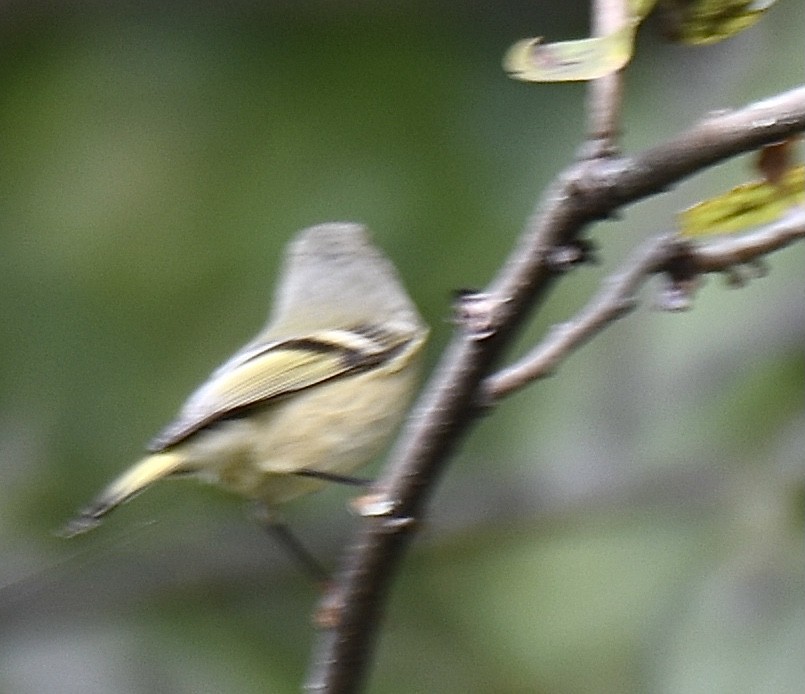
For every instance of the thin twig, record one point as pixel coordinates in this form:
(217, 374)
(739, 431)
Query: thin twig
(604, 94)
(618, 295)
(585, 192)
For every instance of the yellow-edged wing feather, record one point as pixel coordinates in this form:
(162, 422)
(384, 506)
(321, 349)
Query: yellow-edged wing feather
(257, 376)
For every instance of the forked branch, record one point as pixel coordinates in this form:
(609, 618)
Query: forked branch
(661, 255)
(588, 190)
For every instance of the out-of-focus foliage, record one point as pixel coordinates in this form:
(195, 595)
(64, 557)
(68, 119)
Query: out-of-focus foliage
(755, 203)
(701, 22)
(633, 524)
(695, 22)
(747, 205)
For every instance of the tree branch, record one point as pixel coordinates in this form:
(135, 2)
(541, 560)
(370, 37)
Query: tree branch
(586, 191)
(604, 94)
(618, 295)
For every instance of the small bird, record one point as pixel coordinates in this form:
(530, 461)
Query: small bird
(315, 395)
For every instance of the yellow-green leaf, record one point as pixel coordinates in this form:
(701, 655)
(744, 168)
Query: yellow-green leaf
(532, 60)
(708, 21)
(745, 206)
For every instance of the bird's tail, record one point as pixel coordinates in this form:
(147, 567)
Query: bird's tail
(129, 484)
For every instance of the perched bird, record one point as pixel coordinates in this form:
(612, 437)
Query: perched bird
(315, 395)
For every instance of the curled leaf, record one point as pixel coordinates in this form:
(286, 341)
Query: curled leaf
(531, 60)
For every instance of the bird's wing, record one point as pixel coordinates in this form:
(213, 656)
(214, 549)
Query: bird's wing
(281, 368)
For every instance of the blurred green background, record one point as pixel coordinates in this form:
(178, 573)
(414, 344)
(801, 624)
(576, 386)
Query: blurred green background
(634, 524)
